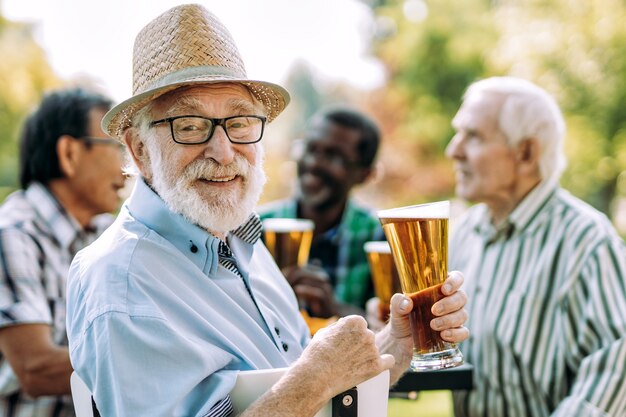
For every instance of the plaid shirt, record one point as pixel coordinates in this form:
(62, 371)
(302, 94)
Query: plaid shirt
(38, 240)
(349, 270)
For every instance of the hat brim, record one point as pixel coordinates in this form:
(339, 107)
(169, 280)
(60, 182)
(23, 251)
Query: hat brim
(274, 97)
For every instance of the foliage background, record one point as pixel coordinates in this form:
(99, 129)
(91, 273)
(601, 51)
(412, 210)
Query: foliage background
(431, 49)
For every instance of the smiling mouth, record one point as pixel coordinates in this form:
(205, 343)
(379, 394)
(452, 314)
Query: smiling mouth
(223, 179)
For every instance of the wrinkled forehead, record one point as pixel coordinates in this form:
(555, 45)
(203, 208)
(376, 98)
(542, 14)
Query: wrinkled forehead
(215, 100)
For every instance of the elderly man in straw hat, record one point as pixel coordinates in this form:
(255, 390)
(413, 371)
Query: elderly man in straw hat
(179, 294)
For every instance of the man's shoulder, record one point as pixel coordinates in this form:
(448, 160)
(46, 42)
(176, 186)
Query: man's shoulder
(112, 253)
(277, 208)
(359, 214)
(580, 215)
(16, 211)
(101, 275)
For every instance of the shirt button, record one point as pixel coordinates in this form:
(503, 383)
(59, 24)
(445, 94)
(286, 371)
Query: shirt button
(277, 330)
(285, 347)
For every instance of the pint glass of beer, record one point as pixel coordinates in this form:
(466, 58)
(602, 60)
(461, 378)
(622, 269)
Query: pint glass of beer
(288, 240)
(384, 275)
(418, 237)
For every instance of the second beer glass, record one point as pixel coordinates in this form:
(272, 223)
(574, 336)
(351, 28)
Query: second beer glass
(384, 275)
(418, 236)
(288, 240)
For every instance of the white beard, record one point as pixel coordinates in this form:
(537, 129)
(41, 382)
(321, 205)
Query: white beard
(220, 212)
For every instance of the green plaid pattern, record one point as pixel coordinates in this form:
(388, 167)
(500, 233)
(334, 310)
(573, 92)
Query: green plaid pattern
(358, 225)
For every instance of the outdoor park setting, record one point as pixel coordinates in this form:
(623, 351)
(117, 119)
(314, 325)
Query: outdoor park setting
(429, 51)
(405, 63)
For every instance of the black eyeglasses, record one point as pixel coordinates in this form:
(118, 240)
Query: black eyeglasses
(100, 141)
(194, 130)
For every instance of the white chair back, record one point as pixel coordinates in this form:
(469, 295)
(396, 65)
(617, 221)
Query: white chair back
(372, 395)
(81, 396)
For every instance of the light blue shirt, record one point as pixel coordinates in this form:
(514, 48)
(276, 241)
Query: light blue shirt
(157, 326)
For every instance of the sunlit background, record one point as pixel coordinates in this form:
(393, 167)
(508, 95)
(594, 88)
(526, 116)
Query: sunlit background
(406, 63)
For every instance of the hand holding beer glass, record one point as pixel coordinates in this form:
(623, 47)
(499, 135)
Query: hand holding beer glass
(418, 237)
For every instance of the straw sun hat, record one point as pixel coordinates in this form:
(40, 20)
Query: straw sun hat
(184, 46)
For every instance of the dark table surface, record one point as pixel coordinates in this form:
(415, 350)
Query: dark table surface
(459, 378)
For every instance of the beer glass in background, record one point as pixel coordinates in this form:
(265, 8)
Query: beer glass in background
(288, 240)
(418, 237)
(384, 275)
(289, 243)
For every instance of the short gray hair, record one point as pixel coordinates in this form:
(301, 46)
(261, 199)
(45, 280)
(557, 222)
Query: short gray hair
(528, 111)
(141, 121)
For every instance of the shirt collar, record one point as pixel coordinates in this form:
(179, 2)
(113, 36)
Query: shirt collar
(199, 246)
(521, 217)
(528, 208)
(250, 231)
(64, 228)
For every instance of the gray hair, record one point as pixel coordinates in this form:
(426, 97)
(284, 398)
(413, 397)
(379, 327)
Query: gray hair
(528, 111)
(140, 121)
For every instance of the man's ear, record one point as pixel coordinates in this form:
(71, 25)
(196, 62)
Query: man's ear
(528, 154)
(137, 150)
(68, 153)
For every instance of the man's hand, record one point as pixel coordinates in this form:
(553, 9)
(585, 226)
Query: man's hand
(338, 358)
(396, 337)
(450, 310)
(312, 286)
(372, 314)
(343, 355)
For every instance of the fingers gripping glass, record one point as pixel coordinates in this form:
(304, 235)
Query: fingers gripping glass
(194, 130)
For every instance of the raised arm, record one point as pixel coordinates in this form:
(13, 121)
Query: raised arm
(26, 335)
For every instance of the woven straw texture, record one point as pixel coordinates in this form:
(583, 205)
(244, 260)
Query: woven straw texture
(186, 45)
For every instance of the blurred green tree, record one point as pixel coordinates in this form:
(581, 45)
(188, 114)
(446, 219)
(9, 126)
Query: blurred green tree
(24, 75)
(573, 48)
(432, 52)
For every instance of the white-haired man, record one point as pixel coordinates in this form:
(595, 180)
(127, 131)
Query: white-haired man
(544, 271)
(179, 295)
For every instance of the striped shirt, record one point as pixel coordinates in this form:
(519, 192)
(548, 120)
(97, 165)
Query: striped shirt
(547, 309)
(38, 240)
(349, 270)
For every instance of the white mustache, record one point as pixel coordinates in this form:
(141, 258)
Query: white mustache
(209, 169)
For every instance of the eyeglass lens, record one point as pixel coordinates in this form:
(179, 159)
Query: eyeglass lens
(244, 129)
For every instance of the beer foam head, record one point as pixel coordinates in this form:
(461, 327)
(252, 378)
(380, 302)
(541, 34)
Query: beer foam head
(377, 247)
(288, 225)
(437, 210)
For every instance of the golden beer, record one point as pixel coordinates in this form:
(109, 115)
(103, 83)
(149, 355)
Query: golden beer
(288, 240)
(418, 237)
(384, 275)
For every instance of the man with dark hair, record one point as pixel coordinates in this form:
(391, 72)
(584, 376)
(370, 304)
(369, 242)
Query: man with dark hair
(70, 173)
(338, 152)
